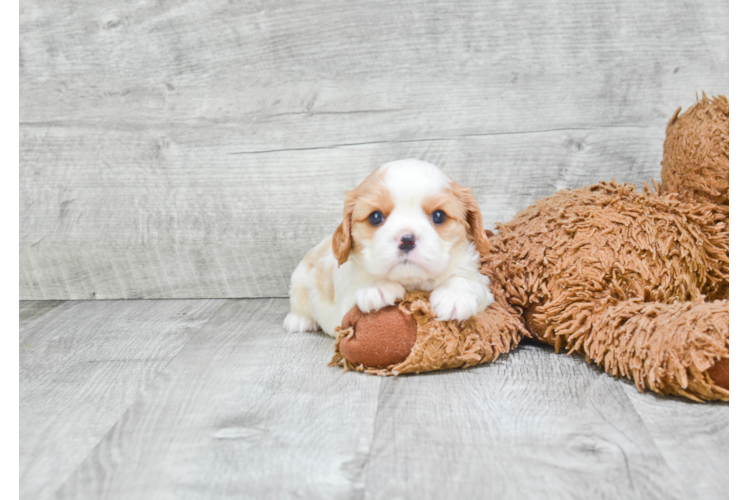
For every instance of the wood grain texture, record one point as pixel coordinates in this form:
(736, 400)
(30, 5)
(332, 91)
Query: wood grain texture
(533, 425)
(244, 411)
(211, 400)
(173, 149)
(32, 311)
(81, 366)
(248, 229)
(737, 49)
(694, 440)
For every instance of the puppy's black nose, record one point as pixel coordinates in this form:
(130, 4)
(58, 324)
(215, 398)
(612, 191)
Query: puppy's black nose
(407, 243)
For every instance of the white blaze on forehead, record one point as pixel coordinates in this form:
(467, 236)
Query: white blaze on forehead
(412, 181)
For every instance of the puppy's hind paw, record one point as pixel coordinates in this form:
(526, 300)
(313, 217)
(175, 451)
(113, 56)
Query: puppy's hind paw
(295, 323)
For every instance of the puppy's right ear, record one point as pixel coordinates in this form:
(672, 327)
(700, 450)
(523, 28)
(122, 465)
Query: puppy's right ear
(342, 243)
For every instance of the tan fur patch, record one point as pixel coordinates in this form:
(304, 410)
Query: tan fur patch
(456, 225)
(315, 255)
(455, 232)
(375, 196)
(473, 217)
(323, 282)
(369, 196)
(302, 298)
(362, 231)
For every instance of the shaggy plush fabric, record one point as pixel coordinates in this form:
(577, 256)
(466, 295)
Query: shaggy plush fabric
(636, 281)
(699, 139)
(587, 267)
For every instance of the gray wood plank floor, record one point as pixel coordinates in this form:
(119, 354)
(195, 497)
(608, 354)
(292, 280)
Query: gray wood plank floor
(210, 399)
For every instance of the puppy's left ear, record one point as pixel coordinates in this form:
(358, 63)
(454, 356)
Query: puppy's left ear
(342, 242)
(473, 218)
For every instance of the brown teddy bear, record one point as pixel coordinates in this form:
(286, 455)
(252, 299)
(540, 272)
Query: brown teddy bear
(636, 281)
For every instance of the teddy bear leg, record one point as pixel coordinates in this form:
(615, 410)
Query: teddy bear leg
(681, 348)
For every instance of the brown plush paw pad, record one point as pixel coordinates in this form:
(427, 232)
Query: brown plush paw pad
(726, 374)
(382, 338)
(726, 371)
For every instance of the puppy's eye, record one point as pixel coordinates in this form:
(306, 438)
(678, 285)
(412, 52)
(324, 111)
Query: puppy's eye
(376, 218)
(438, 217)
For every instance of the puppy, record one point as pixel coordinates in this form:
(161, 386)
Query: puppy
(407, 226)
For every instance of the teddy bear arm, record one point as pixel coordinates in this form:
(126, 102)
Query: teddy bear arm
(409, 339)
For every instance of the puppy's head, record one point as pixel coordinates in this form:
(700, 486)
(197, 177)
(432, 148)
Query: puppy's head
(407, 222)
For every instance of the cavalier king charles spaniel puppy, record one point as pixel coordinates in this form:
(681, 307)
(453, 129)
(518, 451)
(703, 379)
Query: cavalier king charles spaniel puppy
(407, 226)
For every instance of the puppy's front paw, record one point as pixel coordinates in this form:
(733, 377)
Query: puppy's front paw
(380, 294)
(448, 303)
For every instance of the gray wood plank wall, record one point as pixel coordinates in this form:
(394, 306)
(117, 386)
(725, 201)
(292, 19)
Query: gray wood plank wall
(198, 149)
